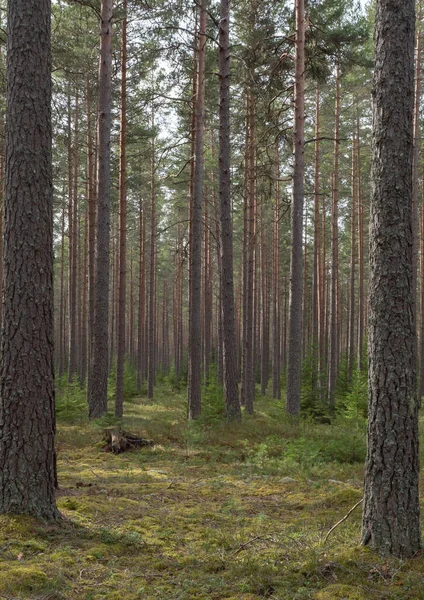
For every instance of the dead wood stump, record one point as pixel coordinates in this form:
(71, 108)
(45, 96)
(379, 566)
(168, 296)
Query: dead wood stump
(117, 440)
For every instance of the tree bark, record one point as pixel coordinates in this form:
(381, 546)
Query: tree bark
(120, 352)
(195, 255)
(27, 419)
(296, 291)
(391, 503)
(98, 379)
(227, 277)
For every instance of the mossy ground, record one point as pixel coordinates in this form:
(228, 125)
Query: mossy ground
(212, 511)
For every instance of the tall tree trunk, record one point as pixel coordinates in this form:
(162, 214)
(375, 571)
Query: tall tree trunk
(152, 273)
(415, 166)
(61, 338)
(195, 255)
(391, 503)
(334, 306)
(316, 284)
(27, 455)
(351, 325)
(141, 332)
(276, 312)
(97, 381)
(226, 241)
(248, 375)
(296, 291)
(361, 295)
(91, 200)
(120, 353)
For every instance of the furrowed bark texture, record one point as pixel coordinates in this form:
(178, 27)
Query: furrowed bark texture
(98, 375)
(195, 258)
(227, 278)
(391, 506)
(296, 261)
(27, 420)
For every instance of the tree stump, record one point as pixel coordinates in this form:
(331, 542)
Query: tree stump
(118, 441)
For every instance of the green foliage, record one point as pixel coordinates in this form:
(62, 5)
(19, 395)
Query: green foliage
(71, 401)
(213, 404)
(356, 400)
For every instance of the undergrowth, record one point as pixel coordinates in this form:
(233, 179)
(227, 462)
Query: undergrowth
(213, 511)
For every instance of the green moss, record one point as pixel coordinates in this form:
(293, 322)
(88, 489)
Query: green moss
(340, 591)
(23, 579)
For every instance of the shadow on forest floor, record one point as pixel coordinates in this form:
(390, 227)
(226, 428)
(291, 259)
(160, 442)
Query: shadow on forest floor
(211, 512)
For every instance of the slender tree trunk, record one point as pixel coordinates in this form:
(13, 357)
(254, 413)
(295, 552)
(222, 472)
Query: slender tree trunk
(61, 348)
(227, 277)
(276, 312)
(333, 337)
(248, 376)
(91, 199)
(316, 285)
(27, 418)
(351, 333)
(141, 332)
(296, 292)
(195, 256)
(152, 273)
(97, 382)
(361, 295)
(391, 502)
(120, 354)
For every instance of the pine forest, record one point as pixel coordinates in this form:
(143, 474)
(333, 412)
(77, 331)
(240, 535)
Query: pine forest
(211, 299)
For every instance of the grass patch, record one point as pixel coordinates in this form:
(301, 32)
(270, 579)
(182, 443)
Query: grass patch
(213, 511)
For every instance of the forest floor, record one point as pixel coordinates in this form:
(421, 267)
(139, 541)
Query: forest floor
(211, 511)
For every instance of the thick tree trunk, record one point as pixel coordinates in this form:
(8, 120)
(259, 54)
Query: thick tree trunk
(27, 419)
(227, 277)
(296, 291)
(391, 504)
(97, 381)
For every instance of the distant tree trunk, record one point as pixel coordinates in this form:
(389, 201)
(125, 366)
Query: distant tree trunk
(334, 305)
(141, 332)
(27, 455)
(97, 382)
(151, 366)
(91, 200)
(83, 337)
(122, 283)
(316, 287)
(391, 503)
(248, 375)
(195, 254)
(227, 277)
(276, 312)
(296, 292)
(361, 295)
(72, 233)
(351, 324)
(61, 338)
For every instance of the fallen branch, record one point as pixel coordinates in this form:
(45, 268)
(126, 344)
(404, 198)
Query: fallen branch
(243, 546)
(342, 520)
